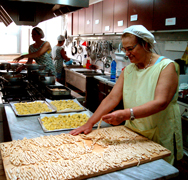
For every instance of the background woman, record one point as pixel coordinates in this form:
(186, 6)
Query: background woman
(59, 56)
(149, 89)
(40, 51)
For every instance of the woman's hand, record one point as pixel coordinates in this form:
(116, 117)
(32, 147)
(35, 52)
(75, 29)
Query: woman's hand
(18, 59)
(115, 118)
(86, 128)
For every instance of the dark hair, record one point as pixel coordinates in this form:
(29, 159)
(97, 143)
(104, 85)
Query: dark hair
(140, 41)
(39, 31)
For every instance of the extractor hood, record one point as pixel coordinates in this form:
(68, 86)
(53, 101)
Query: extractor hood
(32, 12)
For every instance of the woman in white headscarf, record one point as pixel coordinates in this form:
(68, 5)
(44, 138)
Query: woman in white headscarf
(149, 89)
(59, 56)
(40, 51)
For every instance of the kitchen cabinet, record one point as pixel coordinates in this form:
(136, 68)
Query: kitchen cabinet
(170, 15)
(81, 19)
(120, 15)
(97, 17)
(140, 12)
(75, 23)
(108, 16)
(69, 24)
(89, 20)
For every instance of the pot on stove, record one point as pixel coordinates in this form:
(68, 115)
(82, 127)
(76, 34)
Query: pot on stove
(14, 78)
(47, 80)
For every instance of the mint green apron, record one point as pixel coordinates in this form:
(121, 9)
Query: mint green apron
(162, 127)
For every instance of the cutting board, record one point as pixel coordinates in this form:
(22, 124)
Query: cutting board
(126, 148)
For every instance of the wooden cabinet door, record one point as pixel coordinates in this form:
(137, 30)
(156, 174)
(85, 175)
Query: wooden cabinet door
(81, 17)
(69, 24)
(140, 13)
(97, 17)
(75, 23)
(108, 16)
(89, 20)
(174, 13)
(120, 15)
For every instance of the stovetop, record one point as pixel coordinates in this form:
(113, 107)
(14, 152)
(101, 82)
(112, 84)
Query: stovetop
(28, 91)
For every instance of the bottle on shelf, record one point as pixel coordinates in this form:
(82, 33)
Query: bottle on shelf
(113, 70)
(85, 60)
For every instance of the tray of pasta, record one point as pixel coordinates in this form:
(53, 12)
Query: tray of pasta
(31, 108)
(63, 121)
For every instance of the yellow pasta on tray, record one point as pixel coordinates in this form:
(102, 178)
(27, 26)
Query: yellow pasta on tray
(67, 105)
(31, 108)
(65, 121)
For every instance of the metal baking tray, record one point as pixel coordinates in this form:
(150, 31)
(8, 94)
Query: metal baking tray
(56, 90)
(67, 110)
(56, 115)
(12, 104)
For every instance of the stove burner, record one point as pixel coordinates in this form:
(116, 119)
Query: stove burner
(29, 92)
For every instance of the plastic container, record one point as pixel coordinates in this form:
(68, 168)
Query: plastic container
(85, 60)
(113, 70)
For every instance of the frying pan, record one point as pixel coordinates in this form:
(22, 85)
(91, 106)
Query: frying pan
(34, 66)
(74, 49)
(18, 78)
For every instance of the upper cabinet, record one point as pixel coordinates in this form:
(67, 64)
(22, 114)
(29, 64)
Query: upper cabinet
(69, 24)
(140, 13)
(89, 20)
(97, 17)
(81, 19)
(112, 16)
(120, 15)
(170, 14)
(108, 16)
(75, 23)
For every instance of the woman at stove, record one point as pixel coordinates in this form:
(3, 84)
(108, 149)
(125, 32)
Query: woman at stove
(40, 51)
(149, 89)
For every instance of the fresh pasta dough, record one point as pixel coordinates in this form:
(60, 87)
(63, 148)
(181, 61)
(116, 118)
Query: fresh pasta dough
(31, 108)
(64, 121)
(71, 157)
(66, 104)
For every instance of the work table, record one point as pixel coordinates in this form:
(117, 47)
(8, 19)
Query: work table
(29, 127)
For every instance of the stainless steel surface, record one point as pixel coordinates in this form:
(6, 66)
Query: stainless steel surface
(58, 90)
(76, 79)
(31, 12)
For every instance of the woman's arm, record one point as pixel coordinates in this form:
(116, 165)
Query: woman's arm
(164, 92)
(108, 104)
(46, 47)
(63, 54)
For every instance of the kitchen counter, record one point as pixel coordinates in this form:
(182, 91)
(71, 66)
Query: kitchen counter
(29, 127)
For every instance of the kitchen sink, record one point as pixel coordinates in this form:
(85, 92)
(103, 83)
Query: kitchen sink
(78, 77)
(90, 73)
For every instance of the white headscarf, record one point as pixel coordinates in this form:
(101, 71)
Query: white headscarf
(60, 38)
(141, 32)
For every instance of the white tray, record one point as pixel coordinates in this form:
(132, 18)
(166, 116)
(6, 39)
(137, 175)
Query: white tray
(56, 115)
(67, 110)
(12, 104)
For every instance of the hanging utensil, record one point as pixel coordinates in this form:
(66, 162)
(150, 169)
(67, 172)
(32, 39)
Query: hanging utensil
(74, 49)
(80, 49)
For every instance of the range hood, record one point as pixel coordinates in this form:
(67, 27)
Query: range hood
(32, 12)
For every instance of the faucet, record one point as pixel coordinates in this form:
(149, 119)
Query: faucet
(80, 62)
(103, 69)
